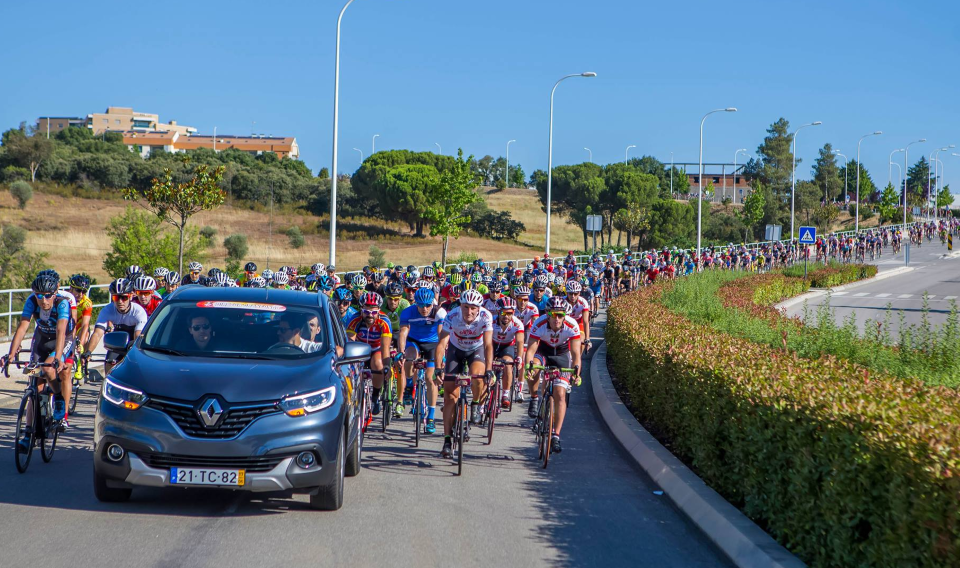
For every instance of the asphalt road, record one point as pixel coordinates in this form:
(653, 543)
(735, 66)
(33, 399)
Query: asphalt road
(934, 275)
(592, 507)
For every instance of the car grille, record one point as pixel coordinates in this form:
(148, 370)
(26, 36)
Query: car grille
(257, 464)
(236, 418)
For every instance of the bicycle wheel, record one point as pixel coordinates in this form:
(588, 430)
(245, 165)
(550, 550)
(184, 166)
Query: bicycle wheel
(23, 456)
(48, 442)
(493, 406)
(73, 396)
(462, 425)
(418, 417)
(547, 432)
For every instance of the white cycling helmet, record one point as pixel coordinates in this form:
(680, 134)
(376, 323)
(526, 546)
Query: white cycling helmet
(144, 283)
(281, 278)
(160, 272)
(471, 298)
(574, 287)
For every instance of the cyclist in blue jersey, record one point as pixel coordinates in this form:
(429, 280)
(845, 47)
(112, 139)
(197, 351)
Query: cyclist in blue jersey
(52, 340)
(420, 326)
(344, 300)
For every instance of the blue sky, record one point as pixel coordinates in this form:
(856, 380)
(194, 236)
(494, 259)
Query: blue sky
(476, 74)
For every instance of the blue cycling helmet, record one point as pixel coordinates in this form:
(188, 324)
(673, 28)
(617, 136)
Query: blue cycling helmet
(424, 297)
(342, 294)
(324, 282)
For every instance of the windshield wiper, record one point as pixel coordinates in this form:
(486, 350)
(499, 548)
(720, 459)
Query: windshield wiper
(163, 350)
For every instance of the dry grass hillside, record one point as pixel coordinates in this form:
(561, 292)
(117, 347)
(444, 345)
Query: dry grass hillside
(72, 232)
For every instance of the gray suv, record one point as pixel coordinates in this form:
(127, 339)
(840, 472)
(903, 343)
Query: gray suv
(233, 388)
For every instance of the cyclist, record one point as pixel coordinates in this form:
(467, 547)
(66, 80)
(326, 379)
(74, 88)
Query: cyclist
(193, 276)
(420, 327)
(373, 328)
(52, 340)
(160, 275)
(508, 343)
(581, 310)
(173, 282)
(249, 273)
(393, 305)
(79, 285)
(554, 341)
(124, 314)
(468, 332)
(344, 300)
(146, 295)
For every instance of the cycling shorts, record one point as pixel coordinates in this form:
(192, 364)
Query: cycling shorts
(459, 361)
(563, 361)
(504, 350)
(45, 345)
(425, 349)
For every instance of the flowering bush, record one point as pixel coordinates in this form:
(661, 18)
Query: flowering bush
(843, 465)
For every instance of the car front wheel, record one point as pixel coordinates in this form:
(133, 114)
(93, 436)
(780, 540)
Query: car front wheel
(330, 497)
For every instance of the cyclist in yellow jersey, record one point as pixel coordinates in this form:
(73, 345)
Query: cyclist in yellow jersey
(249, 273)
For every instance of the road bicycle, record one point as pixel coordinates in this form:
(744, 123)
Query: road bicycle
(366, 400)
(388, 395)
(489, 404)
(461, 425)
(419, 399)
(44, 430)
(544, 423)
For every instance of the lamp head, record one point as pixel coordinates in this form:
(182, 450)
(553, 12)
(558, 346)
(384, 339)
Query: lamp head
(588, 74)
(731, 109)
(922, 140)
(878, 132)
(817, 123)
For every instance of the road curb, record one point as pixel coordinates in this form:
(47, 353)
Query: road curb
(821, 291)
(739, 538)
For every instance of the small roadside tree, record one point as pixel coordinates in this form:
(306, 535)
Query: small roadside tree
(22, 192)
(28, 151)
(752, 211)
(175, 203)
(447, 201)
(377, 258)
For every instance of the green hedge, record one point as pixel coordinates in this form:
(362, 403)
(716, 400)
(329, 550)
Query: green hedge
(843, 466)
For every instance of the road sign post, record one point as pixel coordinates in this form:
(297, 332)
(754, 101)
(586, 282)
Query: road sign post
(594, 225)
(808, 236)
(949, 241)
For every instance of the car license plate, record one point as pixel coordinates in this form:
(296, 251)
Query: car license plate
(204, 476)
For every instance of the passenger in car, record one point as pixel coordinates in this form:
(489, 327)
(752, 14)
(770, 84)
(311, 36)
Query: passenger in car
(311, 328)
(289, 329)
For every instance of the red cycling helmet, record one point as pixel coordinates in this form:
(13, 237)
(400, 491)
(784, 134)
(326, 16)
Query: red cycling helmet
(371, 300)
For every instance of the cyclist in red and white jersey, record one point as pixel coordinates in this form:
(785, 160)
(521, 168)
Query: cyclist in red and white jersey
(580, 310)
(508, 338)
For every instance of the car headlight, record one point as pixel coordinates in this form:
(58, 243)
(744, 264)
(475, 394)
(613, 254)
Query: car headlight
(302, 404)
(128, 398)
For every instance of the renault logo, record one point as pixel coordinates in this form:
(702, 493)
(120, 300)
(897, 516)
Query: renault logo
(210, 412)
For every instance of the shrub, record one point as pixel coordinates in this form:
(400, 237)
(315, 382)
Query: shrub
(11, 174)
(236, 246)
(295, 236)
(208, 232)
(22, 192)
(843, 466)
(377, 257)
(497, 225)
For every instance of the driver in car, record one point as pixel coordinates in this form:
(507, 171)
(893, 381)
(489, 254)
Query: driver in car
(201, 334)
(289, 329)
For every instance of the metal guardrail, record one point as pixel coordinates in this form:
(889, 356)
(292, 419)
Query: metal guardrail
(23, 293)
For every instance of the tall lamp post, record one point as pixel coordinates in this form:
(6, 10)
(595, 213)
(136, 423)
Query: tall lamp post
(361, 155)
(550, 148)
(439, 148)
(627, 153)
(856, 225)
(336, 128)
(735, 154)
(373, 145)
(931, 165)
(905, 173)
(899, 177)
(793, 183)
(891, 164)
(506, 173)
(671, 175)
(589, 154)
(845, 172)
(700, 176)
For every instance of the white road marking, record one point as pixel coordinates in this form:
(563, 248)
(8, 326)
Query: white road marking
(905, 296)
(861, 294)
(840, 293)
(882, 295)
(932, 296)
(949, 297)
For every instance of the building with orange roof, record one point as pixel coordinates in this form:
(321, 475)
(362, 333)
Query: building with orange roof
(283, 147)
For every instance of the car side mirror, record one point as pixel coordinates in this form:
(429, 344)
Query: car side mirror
(116, 341)
(355, 352)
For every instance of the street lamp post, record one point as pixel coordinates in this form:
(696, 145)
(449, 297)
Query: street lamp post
(845, 172)
(856, 226)
(506, 173)
(361, 155)
(336, 127)
(931, 165)
(373, 145)
(793, 184)
(589, 154)
(891, 164)
(899, 177)
(439, 148)
(735, 154)
(550, 148)
(627, 153)
(700, 176)
(904, 173)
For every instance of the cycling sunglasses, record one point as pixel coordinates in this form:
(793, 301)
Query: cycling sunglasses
(506, 312)
(344, 302)
(394, 297)
(121, 297)
(371, 312)
(558, 314)
(203, 326)
(47, 296)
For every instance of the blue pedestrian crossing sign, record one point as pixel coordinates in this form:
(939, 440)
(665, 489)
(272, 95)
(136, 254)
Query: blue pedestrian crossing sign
(808, 235)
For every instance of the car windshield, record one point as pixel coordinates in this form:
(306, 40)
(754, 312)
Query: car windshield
(220, 328)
